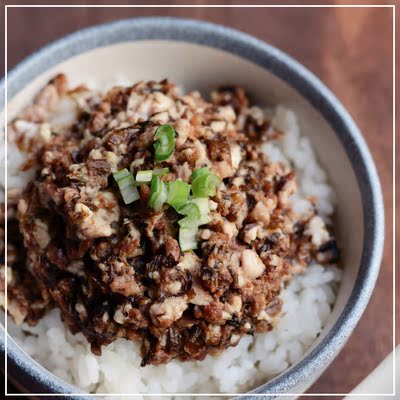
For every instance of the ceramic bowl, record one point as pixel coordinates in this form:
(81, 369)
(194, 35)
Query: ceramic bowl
(201, 55)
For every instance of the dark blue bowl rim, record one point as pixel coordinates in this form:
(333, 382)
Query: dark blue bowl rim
(308, 85)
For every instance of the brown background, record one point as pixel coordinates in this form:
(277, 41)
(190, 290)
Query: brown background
(350, 49)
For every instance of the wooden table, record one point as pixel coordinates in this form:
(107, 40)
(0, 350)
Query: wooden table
(351, 51)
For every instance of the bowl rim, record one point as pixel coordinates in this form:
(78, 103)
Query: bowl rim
(298, 77)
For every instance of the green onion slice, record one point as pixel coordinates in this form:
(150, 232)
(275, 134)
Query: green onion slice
(204, 183)
(123, 173)
(204, 208)
(190, 209)
(158, 193)
(193, 216)
(126, 185)
(178, 194)
(144, 176)
(196, 213)
(188, 238)
(199, 172)
(165, 142)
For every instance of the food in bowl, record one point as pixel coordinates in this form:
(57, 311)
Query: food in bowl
(166, 228)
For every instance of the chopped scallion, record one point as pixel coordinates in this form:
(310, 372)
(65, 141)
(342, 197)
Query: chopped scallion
(204, 183)
(144, 176)
(196, 213)
(147, 175)
(165, 142)
(178, 194)
(193, 216)
(123, 173)
(130, 194)
(126, 185)
(199, 172)
(190, 209)
(158, 193)
(204, 209)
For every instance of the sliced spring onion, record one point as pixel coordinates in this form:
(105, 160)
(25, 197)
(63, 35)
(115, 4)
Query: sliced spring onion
(130, 194)
(165, 142)
(196, 213)
(147, 175)
(204, 208)
(193, 216)
(188, 223)
(126, 185)
(178, 194)
(188, 238)
(199, 172)
(144, 176)
(190, 209)
(158, 193)
(123, 173)
(204, 183)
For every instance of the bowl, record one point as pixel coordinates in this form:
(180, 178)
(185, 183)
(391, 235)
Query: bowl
(201, 55)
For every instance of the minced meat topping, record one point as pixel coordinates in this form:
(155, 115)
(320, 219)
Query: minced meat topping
(117, 270)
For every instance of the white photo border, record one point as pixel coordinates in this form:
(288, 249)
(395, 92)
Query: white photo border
(366, 395)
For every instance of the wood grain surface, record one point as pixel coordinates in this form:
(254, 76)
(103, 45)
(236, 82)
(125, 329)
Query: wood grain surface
(350, 49)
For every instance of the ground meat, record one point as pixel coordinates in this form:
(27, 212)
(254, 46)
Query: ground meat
(116, 270)
(27, 299)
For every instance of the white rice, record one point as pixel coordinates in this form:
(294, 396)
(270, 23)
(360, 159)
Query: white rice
(307, 304)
